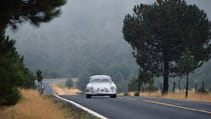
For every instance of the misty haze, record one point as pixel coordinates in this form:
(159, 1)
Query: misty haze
(85, 39)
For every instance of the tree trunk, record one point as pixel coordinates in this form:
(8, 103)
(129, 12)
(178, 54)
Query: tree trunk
(196, 87)
(202, 85)
(38, 87)
(179, 85)
(165, 77)
(41, 88)
(187, 84)
(150, 89)
(174, 86)
(139, 89)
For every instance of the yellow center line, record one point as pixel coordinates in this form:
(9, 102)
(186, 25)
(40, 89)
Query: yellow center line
(181, 107)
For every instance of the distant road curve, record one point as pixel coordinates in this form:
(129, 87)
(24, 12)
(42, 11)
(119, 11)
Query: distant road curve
(47, 88)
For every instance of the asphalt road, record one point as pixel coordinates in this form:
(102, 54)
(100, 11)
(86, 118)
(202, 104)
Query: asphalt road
(47, 88)
(125, 107)
(144, 108)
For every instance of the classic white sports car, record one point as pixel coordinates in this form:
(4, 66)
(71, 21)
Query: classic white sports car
(100, 85)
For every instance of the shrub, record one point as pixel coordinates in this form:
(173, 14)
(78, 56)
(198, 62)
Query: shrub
(136, 94)
(69, 83)
(10, 97)
(126, 94)
(202, 90)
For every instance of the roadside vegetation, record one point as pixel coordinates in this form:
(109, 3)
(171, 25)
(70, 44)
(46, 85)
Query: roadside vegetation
(35, 106)
(178, 95)
(61, 88)
(192, 96)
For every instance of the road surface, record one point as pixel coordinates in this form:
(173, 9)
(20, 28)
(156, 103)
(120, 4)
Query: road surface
(125, 107)
(144, 108)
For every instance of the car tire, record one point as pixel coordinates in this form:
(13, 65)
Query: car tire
(88, 96)
(113, 96)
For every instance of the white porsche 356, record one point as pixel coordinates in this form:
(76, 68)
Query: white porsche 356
(101, 85)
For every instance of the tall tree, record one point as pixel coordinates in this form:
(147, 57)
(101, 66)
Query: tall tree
(161, 31)
(186, 65)
(137, 82)
(13, 72)
(39, 79)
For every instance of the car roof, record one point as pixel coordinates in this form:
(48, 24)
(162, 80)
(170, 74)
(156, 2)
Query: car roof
(100, 77)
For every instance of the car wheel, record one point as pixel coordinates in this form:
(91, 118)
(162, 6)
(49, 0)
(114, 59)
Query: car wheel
(113, 96)
(88, 96)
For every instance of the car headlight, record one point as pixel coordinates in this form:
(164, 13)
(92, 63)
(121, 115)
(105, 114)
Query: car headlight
(112, 88)
(91, 88)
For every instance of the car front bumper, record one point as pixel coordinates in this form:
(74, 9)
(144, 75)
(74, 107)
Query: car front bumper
(101, 94)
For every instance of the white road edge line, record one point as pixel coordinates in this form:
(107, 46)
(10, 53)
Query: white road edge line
(83, 108)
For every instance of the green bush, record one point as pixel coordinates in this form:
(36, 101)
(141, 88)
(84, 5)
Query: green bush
(10, 97)
(202, 90)
(136, 94)
(13, 72)
(28, 84)
(69, 83)
(126, 94)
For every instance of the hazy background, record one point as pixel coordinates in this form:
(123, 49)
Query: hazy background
(86, 39)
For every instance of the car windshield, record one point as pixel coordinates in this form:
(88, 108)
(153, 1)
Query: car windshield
(100, 81)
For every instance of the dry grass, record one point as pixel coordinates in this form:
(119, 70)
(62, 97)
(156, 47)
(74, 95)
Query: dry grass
(192, 96)
(32, 106)
(64, 91)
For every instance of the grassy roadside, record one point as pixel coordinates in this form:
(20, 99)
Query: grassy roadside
(60, 89)
(192, 96)
(35, 106)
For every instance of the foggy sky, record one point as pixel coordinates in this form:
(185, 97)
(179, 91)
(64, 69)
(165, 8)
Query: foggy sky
(92, 19)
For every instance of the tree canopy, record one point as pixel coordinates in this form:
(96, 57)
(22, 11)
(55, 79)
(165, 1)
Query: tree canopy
(160, 32)
(34, 11)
